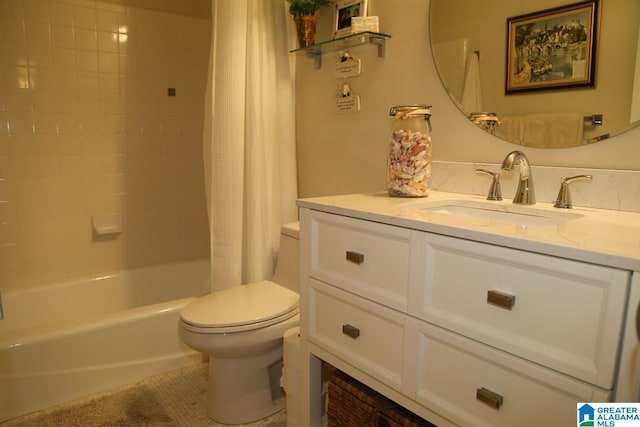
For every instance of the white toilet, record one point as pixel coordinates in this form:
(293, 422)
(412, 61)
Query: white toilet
(241, 330)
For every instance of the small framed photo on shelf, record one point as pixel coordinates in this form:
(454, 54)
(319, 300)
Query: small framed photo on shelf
(344, 11)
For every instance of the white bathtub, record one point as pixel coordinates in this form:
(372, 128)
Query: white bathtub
(68, 340)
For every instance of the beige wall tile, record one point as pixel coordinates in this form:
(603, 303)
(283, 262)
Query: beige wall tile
(86, 127)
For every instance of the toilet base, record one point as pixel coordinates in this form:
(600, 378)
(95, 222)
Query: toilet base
(240, 389)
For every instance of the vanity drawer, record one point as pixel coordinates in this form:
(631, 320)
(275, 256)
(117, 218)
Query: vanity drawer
(476, 385)
(363, 334)
(367, 258)
(560, 313)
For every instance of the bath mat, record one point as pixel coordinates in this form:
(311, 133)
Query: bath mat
(134, 407)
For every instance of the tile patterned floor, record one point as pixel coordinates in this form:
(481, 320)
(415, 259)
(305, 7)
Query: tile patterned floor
(181, 393)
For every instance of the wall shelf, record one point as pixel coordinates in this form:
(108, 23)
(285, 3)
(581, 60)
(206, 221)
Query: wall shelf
(316, 51)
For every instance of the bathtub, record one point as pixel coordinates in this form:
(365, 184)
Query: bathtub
(67, 340)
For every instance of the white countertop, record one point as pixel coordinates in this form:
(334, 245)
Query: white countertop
(598, 236)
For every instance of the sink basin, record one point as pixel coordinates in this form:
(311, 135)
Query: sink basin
(498, 213)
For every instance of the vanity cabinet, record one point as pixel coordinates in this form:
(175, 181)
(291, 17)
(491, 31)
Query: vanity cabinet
(460, 332)
(558, 313)
(473, 384)
(360, 332)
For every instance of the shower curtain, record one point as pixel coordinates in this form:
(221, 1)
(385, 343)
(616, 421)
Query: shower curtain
(249, 138)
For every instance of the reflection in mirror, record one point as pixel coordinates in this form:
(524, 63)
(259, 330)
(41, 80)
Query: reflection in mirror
(469, 44)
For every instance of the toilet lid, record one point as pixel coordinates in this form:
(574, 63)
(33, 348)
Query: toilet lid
(250, 304)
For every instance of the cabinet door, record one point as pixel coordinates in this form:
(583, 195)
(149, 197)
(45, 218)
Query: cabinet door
(368, 336)
(476, 385)
(366, 258)
(563, 314)
(628, 384)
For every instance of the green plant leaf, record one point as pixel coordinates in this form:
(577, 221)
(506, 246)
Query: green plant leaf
(299, 8)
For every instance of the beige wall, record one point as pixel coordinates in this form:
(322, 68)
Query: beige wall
(345, 153)
(195, 8)
(86, 127)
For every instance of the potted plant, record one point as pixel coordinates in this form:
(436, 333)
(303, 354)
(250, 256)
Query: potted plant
(304, 15)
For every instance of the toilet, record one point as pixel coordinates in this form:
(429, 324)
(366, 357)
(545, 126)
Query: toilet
(240, 329)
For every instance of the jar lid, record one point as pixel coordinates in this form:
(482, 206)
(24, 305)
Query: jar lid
(411, 109)
(483, 117)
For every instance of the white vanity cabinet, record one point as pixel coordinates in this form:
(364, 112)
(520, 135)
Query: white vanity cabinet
(358, 331)
(357, 286)
(562, 314)
(473, 384)
(459, 331)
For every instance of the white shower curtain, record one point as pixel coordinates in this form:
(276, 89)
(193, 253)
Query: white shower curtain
(249, 138)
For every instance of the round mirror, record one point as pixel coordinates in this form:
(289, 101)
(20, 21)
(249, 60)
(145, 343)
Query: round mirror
(545, 73)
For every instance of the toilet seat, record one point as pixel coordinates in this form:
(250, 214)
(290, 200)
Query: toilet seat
(242, 308)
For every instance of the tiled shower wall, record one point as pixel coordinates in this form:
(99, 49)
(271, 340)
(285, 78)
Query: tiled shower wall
(87, 127)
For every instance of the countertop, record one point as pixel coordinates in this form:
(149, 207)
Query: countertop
(599, 236)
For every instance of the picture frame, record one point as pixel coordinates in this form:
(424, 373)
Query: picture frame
(343, 12)
(553, 48)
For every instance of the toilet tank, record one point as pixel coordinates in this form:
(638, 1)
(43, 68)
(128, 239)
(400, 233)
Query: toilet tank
(287, 268)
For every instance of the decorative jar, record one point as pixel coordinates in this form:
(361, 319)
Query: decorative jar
(409, 166)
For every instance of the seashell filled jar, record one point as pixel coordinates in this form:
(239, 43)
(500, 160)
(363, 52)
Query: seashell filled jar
(409, 165)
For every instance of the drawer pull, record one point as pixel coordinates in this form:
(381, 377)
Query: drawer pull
(501, 299)
(490, 398)
(355, 257)
(351, 331)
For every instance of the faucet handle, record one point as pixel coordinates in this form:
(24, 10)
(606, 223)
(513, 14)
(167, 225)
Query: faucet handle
(564, 198)
(494, 191)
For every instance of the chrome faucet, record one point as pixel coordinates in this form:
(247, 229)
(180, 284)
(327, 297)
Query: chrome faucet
(524, 194)
(495, 193)
(564, 197)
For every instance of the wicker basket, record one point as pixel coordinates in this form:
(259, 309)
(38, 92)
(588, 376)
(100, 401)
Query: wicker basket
(352, 404)
(401, 417)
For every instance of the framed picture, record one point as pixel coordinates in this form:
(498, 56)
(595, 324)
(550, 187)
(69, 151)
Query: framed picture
(553, 48)
(344, 11)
